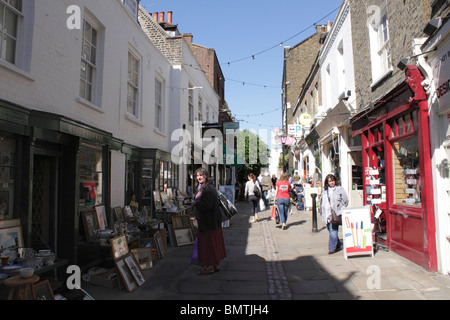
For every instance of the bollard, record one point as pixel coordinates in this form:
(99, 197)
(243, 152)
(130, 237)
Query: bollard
(314, 212)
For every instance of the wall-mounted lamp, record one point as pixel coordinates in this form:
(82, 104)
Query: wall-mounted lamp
(404, 62)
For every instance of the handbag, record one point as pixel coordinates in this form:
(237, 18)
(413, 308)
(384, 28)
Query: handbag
(335, 219)
(226, 208)
(256, 191)
(262, 206)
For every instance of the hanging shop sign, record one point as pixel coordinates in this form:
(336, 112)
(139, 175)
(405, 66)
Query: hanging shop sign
(441, 76)
(357, 231)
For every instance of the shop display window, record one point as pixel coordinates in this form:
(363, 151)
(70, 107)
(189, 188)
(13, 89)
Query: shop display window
(91, 176)
(406, 175)
(148, 177)
(7, 173)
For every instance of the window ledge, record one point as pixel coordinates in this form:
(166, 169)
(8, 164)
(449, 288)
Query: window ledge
(89, 104)
(157, 131)
(381, 77)
(11, 67)
(133, 119)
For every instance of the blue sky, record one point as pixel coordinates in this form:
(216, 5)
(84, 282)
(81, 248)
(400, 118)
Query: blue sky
(237, 30)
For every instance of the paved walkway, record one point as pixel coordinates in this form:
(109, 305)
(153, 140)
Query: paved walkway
(267, 263)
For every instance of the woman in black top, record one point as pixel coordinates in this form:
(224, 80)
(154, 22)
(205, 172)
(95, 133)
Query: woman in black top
(211, 244)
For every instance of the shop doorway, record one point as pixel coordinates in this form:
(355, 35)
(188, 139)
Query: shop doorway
(45, 203)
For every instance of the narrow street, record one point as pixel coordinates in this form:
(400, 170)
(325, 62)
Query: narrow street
(267, 263)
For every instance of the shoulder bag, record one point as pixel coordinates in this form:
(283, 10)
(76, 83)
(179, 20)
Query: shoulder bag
(335, 219)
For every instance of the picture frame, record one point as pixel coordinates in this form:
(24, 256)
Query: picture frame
(127, 212)
(143, 257)
(169, 194)
(160, 247)
(42, 291)
(184, 237)
(118, 214)
(126, 275)
(119, 247)
(135, 269)
(9, 223)
(182, 221)
(90, 223)
(11, 238)
(101, 217)
(157, 200)
(164, 197)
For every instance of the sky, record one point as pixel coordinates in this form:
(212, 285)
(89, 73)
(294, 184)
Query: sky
(239, 30)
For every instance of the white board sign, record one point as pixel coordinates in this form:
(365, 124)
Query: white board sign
(357, 231)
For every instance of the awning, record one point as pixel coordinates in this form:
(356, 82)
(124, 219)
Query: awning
(340, 113)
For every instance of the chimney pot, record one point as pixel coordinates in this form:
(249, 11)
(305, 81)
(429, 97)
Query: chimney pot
(161, 17)
(155, 16)
(169, 17)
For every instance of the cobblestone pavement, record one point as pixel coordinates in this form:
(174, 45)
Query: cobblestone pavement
(267, 263)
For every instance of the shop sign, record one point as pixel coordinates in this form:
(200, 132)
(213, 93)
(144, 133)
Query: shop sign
(295, 130)
(84, 133)
(441, 76)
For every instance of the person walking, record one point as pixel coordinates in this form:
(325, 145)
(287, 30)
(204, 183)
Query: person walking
(253, 194)
(211, 243)
(266, 183)
(333, 198)
(283, 199)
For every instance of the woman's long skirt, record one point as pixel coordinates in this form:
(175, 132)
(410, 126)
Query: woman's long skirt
(211, 247)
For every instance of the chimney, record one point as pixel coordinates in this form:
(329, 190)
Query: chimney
(188, 37)
(169, 17)
(161, 17)
(155, 16)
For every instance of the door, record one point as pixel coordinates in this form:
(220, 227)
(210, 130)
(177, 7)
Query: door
(45, 203)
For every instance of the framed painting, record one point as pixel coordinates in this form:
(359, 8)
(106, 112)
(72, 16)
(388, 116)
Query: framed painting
(135, 269)
(160, 247)
(181, 221)
(9, 223)
(157, 200)
(126, 275)
(184, 237)
(119, 247)
(101, 217)
(143, 257)
(90, 223)
(11, 238)
(118, 214)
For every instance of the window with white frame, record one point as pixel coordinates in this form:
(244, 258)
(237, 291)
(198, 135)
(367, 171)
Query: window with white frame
(159, 104)
(380, 47)
(88, 62)
(200, 109)
(133, 85)
(132, 7)
(10, 15)
(191, 105)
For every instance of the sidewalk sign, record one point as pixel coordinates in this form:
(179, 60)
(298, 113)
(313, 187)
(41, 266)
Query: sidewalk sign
(357, 231)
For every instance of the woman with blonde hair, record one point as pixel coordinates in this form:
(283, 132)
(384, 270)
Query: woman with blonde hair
(283, 199)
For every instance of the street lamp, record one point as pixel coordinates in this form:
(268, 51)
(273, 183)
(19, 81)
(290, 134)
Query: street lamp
(283, 139)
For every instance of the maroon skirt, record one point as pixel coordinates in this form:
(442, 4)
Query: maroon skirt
(211, 247)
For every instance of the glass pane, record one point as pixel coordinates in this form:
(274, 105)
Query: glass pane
(91, 176)
(7, 168)
(406, 172)
(407, 123)
(400, 125)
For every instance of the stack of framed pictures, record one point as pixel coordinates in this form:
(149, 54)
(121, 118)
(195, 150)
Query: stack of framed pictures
(126, 264)
(182, 229)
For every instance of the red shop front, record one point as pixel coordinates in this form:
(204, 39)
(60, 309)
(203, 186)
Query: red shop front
(397, 171)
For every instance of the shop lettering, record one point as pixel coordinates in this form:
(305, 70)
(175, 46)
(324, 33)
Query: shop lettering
(443, 89)
(193, 311)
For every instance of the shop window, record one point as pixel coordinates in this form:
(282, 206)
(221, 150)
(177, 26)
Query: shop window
(91, 176)
(147, 178)
(7, 172)
(406, 175)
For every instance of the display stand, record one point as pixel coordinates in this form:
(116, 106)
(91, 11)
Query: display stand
(357, 230)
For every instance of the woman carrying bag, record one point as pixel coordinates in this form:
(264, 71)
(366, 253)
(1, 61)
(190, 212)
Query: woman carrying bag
(283, 198)
(253, 194)
(333, 199)
(211, 244)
